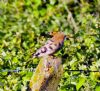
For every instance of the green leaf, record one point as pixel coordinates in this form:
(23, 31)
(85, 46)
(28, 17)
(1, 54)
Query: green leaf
(80, 82)
(15, 60)
(97, 88)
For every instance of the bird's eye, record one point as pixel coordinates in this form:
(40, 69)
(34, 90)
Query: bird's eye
(50, 33)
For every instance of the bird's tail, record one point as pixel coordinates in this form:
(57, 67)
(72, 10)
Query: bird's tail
(33, 56)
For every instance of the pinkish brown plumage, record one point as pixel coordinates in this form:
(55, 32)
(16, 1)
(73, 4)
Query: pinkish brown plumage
(52, 45)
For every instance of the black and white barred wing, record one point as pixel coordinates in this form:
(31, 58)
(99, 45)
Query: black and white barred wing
(49, 48)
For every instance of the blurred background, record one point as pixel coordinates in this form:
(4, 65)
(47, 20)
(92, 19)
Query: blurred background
(24, 27)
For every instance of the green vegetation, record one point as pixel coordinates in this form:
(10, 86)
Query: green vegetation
(24, 27)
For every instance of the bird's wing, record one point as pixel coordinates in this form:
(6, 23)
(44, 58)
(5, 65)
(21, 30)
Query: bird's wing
(47, 49)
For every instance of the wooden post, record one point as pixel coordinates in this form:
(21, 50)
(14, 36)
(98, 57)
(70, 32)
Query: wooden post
(47, 75)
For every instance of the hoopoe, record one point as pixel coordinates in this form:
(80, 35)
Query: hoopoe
(52, 45)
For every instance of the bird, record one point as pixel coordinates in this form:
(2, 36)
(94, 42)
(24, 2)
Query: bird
(51, 46)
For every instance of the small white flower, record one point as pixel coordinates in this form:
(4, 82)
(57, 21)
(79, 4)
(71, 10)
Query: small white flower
(3, 53)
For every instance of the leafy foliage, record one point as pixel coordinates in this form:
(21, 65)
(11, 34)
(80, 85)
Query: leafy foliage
(24, 27)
